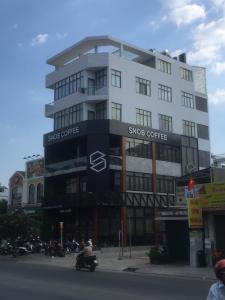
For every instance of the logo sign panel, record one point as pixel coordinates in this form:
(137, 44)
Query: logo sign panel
(97, 161)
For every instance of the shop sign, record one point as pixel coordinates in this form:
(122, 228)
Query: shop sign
(97, 161)
(211, 195)
(62, 134)
(194, 213)
(147, 133)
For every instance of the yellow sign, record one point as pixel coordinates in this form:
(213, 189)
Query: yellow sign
(210, 195)
(194, 214)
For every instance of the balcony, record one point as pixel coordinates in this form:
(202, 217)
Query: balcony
(68, 166)
(49, 110)
(83, 94)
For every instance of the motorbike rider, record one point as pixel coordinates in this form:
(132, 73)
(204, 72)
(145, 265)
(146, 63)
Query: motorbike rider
(217, 289)
(86, 252)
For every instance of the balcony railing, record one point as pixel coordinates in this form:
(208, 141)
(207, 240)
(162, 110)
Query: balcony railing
(66, 165)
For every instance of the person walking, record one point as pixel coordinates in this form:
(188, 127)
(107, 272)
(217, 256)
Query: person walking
(217, 289)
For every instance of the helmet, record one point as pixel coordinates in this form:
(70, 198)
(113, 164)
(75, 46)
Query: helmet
(219, 266)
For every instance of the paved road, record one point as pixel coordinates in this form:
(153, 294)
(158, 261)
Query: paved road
(28, 281)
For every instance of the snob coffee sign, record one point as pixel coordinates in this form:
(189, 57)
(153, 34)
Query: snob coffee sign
(155, 135)
(61, 135)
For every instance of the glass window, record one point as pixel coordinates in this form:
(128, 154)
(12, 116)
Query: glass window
(186, 74)
(165, 93)
(165, 123)
(187, 100)
(101, 111)
(69, 116)
(164, 66)
(101, 78)
(143, 117)
(116, 78)
(165, 184)
(68, 86)
(139, 181)
(40, 192)
(91, 115)
(31, 193)
(189, 128)
(116, 111)
(71, 186)
(138, 148)
(167, 153)
(143, 86)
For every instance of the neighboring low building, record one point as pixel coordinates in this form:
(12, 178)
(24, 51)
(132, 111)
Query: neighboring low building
(33, 188)
(203, 193)
(16, 182)
(4, 193)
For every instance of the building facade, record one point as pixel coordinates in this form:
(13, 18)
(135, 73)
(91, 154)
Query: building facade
(126, 123)
(33, 188)
(16, 189)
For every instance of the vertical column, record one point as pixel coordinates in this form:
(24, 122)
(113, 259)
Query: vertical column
(95, 225)
(123, 210)
(153, 167)
(154, 187)
(123, 165)
(124, 225)
(121, 50)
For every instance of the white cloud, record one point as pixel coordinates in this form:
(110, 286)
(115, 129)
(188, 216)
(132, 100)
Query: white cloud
(41, 38)
(218, 97)
(219, 3)
(218, 68)
(209, 41)
(191, 12)
(183, 12)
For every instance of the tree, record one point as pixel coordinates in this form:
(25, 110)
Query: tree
(18, 223)
(3, 206)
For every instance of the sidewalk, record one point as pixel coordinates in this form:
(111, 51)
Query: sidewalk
(112, 261)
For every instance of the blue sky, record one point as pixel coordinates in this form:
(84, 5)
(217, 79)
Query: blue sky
(32, 31)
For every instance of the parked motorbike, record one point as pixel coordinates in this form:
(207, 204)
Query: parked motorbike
(86, 262)
(20, 250)
(6, 249)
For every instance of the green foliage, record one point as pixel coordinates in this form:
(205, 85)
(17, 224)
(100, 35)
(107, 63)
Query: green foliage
(158, 254)
(18, 224)
(3, 206)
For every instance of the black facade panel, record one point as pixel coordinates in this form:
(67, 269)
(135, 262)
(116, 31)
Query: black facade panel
(98, 165)
(112, 127)
(204, 158)
(203, 131)
(201, 103)
(144, 133)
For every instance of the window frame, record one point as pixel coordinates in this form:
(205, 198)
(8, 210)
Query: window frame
(115, 78)
(165, 123)
(143, 86)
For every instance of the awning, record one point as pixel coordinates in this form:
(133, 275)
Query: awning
(168, 218)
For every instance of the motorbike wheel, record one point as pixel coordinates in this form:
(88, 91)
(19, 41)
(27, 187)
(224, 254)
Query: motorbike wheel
(92, 268)
(77, 267)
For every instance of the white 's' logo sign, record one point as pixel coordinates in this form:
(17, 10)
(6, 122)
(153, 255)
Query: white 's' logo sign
(97, 161)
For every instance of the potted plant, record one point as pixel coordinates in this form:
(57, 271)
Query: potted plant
(157, 254)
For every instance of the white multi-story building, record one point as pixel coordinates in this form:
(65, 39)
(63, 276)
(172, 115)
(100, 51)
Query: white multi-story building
(127, 122)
